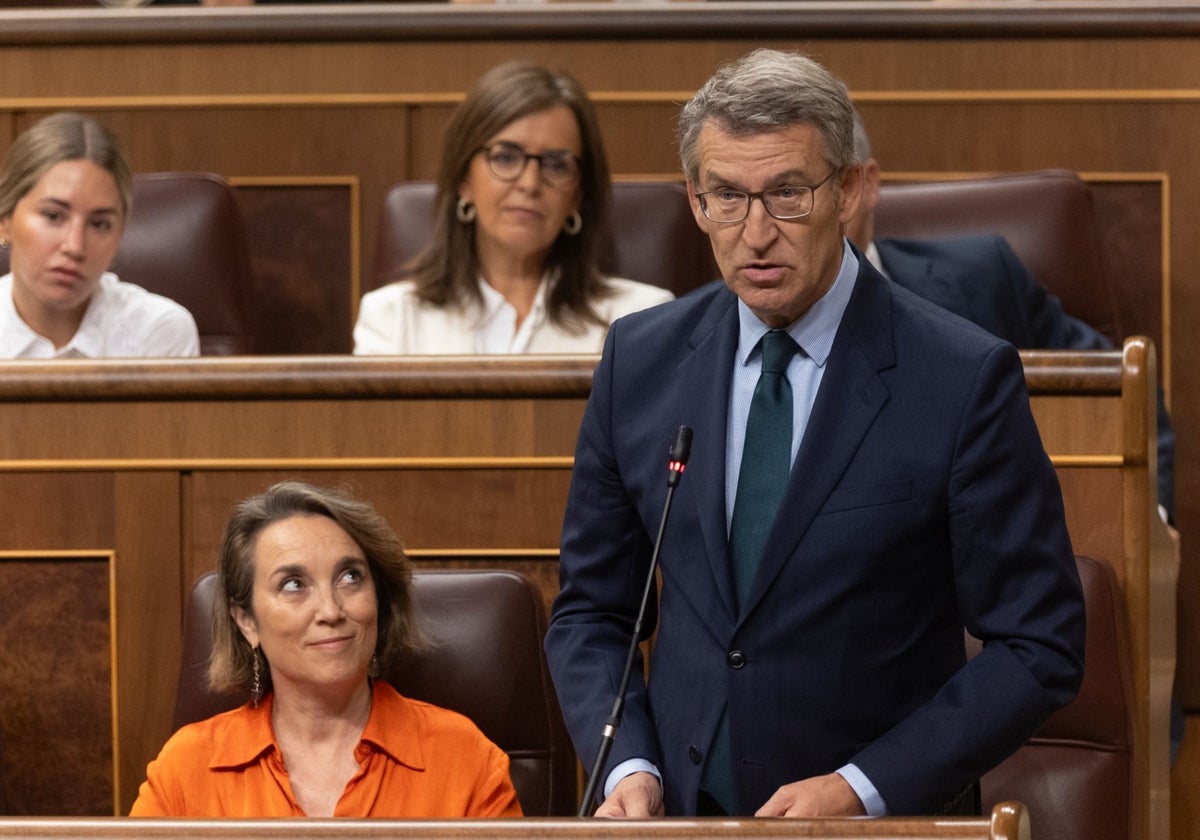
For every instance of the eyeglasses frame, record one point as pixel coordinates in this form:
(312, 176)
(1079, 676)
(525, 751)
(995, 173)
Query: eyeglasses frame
(750, 196)
(508, 144)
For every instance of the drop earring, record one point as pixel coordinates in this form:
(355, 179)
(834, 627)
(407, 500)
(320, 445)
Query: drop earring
(256, 690)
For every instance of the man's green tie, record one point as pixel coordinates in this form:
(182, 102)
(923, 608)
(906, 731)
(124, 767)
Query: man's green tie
(766, 462)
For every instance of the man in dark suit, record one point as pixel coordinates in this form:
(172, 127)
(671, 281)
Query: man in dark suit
(866, 480)
(981, 279)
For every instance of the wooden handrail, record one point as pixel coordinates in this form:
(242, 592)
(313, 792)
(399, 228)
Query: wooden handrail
(1008, 821)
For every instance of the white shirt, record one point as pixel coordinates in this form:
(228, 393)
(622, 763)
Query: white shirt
(122, 321)
(392, 320)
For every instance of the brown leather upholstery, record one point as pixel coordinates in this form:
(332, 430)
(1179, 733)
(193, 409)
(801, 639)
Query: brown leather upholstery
(486, 662)
(655, 239)
(1076, 775)
(1046, 216)
(185, 241)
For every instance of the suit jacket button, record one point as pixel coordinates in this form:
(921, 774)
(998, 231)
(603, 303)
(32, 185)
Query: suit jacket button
(695, 755)
(736, 659)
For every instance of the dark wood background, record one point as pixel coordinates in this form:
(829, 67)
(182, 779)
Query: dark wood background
(314, 111)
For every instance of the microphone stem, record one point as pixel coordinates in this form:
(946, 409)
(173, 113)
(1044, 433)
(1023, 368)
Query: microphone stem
(618, 709)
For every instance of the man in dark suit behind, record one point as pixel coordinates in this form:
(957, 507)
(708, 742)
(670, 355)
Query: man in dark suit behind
(981, 279)
(866, 481)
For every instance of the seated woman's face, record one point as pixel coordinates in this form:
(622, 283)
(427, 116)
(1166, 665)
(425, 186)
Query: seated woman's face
(314, 605)
(520, 218)
(63, 234)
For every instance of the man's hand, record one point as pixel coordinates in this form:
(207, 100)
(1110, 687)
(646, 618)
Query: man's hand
(637, 796)
(820, 796)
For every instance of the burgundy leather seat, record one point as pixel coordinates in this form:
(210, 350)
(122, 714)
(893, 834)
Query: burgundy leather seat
(1047, 217)
(486, 662)
(655, 239)
(1076, 775)
(184, 240)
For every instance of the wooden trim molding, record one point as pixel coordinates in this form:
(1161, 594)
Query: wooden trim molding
(592, 21)
(257, 378)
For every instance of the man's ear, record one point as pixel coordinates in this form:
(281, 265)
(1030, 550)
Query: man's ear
(697, 213)
(861, 227)
(851, 192)
(872, 178)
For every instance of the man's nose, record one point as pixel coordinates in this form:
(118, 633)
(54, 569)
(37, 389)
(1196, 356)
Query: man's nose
(759, 228)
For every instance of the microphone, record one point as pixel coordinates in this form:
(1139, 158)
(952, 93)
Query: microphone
(681, 448)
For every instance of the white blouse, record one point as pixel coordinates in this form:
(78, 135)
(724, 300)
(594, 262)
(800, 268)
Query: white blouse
(392, 320)
(122, 321)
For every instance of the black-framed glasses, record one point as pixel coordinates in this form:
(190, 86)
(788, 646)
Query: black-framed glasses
(506, 161)
(728, 207)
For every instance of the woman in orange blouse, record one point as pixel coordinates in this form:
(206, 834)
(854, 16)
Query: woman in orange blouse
(317, 592)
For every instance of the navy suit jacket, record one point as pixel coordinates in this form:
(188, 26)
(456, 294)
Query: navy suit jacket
(983, 280)
(921, 501)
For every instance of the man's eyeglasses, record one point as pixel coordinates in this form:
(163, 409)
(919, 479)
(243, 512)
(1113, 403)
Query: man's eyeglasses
(506, 161)
(728, 207)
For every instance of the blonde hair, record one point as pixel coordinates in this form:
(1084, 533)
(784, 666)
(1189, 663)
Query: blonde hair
(61, 137)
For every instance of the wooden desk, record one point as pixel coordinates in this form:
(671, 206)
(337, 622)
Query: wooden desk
(1008, 821)
(117, 479)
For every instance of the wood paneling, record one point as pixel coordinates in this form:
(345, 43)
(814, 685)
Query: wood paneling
(468, 458)
(56, 714)
(303, 241)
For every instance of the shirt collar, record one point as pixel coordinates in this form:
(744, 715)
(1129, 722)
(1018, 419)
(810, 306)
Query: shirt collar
(16, 338)
(87, 342)
(494, 302)
(248, 736)
(872, 255)
(813, 331)
(391, 728)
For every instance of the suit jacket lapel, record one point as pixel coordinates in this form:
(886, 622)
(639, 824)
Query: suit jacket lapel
(714, 343)
(846, 406)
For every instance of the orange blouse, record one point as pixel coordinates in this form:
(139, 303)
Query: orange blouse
(415, 761)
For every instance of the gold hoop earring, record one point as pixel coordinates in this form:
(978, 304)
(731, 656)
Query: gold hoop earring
(574, 224)
(464, 211)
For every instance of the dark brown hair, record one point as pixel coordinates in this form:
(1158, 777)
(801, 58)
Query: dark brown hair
(232, 663)
(447, 270)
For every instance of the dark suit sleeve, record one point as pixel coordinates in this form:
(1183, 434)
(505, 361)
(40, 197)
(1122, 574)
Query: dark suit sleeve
(604, 562)
(1017, 590)
(1052, 328)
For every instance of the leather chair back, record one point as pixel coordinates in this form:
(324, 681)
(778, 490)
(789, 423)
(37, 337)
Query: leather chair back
(1047, 217)
(1076, 775)
(184, 240)
(654, 238)
(485, 661)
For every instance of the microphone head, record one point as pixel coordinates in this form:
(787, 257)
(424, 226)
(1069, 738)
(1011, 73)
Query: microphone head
(681, 448)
